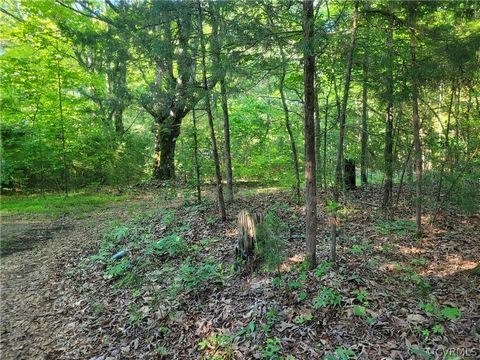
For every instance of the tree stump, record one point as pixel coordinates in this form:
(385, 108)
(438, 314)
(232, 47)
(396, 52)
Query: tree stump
(350, 178)
(247, 236)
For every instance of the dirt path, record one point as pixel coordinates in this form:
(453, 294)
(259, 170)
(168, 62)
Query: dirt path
(29, 285)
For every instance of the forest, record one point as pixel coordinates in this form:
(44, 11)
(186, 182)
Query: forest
(261, 179)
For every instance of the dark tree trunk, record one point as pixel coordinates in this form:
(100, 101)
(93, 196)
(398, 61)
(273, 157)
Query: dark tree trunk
(195, 155)
(118, 121)
(309, 88)
(164, 151)
(415, 117)
(350, 178)
(226, 132)
(388, 151)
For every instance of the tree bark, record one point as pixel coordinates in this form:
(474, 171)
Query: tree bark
(388, 151)
(164, 152)
(415, 116)
(195, 155)
(309, 104)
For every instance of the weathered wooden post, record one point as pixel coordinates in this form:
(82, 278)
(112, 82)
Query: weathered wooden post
(247, 235)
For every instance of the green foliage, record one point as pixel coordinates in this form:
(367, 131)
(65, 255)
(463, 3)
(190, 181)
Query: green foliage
(271, 234)
(359, 310)
(220, 346)
(358, 249)
(340, 354)
(361, 296)
(327, 297)
(400, 227)
(302, 319)
(56, 204)
(322, 269)
(172, 245)
(446, 313)
(193, 276)
(272, 348)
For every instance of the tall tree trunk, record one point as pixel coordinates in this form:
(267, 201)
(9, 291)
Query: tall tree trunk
(62, 132)
(364, 139)
(388, 151)
(195, 155)
(226, 132)
(166, 136)
(415, 116)
(286, 113)
(309, 88)
(343, 113)
(208, 108)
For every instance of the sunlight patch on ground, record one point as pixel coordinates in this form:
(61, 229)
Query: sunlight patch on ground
(449, 265)
(409, 250)
(295, 259)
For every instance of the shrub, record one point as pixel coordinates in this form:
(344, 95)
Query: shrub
(168, 246)
(271, 234)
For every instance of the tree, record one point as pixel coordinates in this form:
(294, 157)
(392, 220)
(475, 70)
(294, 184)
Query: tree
(309, 126)
(208, 109)
(415, 116)
(341, 136)
(388, 154)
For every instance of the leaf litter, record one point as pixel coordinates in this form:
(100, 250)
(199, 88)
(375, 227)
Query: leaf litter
(384, 299)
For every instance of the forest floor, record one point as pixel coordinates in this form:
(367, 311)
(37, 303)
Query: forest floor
(176, 294)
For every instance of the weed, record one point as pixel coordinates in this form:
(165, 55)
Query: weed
(400, 227)
(357, 249)
(161, 351)
(361, 296)
(447, 313)
(272, 348)
(419, 262)
(327, 297)
(388, 248)
(322, 269)
(219, 345)
(271, 235)
(135, 315)
(171, 245)
(192, 276)
(301, 319)
(340, 353)
(359, 310)
(302, 296)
